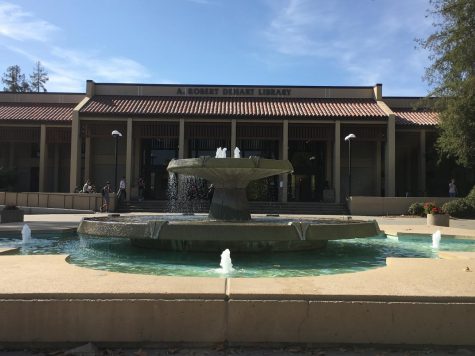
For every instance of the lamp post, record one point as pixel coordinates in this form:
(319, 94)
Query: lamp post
(349, 138)
(116, 134)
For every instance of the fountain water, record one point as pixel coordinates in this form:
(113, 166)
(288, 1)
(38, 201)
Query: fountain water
(221, 152)
(237, 153)
(226, 263)
(25, 234)
(436, 236)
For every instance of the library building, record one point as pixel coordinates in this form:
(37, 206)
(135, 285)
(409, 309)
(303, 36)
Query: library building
(54, 142)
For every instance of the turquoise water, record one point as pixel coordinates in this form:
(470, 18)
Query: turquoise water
(343, 256)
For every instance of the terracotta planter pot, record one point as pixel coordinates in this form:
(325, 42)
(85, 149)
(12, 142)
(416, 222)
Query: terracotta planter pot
(438, 219)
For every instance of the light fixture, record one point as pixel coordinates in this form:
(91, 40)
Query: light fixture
(116, 134)
(349, 138)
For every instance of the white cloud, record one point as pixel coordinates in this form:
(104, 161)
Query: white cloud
(20, 25)
(374, 49)
(67, 68)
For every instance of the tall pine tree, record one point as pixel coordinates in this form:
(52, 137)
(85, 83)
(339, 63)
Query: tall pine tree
(14, 81)
(452, 76)
(38, 78)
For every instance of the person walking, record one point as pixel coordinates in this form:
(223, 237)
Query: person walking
(452, 189)
(106, 197)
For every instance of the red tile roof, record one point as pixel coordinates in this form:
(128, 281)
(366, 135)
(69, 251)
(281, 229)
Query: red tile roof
(420, 118)
(232, 106)
(36, 111)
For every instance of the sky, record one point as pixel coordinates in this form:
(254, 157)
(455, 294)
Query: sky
(234, 42)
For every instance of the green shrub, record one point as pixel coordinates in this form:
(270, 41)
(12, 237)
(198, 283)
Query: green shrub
(470, 198)
(459, 208)
(416, 209)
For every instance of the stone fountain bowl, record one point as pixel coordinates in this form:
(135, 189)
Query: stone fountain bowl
(230, 177)
(230, 172)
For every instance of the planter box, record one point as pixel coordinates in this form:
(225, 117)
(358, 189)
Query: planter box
(438, 219)
(8, 216)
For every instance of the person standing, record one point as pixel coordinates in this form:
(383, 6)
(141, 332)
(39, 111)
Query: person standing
(122, 194)
(87, 188)
(106, 197)
(452, 189)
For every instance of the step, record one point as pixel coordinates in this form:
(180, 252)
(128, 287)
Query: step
(302, 208)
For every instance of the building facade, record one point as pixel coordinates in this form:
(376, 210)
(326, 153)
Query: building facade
(55, 141)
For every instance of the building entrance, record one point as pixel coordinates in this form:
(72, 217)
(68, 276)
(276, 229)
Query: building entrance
(308, 181)
(155, 156)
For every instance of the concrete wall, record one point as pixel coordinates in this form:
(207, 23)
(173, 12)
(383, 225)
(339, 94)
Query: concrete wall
(86, 320)
(236, 321)
(77, 201)
(359, 205)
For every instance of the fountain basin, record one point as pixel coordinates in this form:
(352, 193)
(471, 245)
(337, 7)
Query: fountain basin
(277, 234)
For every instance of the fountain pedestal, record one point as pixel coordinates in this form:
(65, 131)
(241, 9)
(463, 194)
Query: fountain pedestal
(229, 204)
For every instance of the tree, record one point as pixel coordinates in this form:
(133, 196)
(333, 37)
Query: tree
(452, 77)
(15, 81)
(38, 78)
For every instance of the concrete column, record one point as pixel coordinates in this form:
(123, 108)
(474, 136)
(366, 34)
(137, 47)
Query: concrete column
(181, 140)
(87, 160)
(378, 169)
(336, 162)
(43, 159)
(390, 171)
(328, 161)
(233, 136)
(128, 159)
(75, 169)
(283, 178)
(422, 162)
(56, 170)
(137, 158)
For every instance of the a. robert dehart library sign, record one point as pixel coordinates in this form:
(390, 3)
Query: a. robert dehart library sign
(232, 91)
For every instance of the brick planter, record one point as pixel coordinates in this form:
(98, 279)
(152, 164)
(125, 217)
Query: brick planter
(438, 219)
(11, 215)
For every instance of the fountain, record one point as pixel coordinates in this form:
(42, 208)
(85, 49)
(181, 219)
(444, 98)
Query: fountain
(229, 224)
(436, 236)
(25, 234)
(226, 263)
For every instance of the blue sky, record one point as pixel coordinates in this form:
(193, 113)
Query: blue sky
(239, 42)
